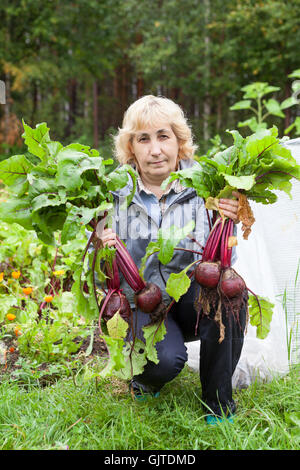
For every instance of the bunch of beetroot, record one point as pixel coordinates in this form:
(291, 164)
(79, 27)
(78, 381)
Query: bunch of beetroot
(221, 286)
(115, 300)
(148, 296)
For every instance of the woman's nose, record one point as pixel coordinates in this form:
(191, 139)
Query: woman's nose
(155, 147)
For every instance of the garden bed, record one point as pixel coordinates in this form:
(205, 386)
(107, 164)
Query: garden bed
(11, 361)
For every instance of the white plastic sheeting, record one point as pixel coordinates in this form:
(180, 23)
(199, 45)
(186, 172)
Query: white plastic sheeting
(268, 262)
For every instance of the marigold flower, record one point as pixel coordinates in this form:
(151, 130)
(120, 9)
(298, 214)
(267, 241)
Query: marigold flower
(10, 316)
(48, 298)
(11, 349)
(27, 290)
(16, 274)
(60, 272)
(18, 331)
(1, 277)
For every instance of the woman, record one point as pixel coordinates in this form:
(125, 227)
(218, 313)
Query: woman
(156, 139)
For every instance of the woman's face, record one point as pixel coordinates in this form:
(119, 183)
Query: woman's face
(156, 151)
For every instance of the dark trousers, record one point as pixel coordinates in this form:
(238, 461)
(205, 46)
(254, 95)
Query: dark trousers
(217, 360)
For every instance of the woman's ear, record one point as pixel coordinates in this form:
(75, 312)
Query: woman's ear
(130, 147)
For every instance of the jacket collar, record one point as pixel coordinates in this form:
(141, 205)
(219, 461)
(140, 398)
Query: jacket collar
(183, 164)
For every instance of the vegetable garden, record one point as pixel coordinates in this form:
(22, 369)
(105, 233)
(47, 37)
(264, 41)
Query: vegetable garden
(62, 313)
(56, 192)
(67, 347)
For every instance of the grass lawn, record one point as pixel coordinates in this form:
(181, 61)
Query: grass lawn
(76, 414)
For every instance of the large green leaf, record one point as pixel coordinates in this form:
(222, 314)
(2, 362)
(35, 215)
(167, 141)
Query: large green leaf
(240, 182)
(117, 327)
(36, 138)
(153, 334)
(45, 193)
(46, 222)
(133, 360)
(118, 178)
(167, 240)
(274, 108)
(13, 173)
(291, 101)
(17, 210)
(260, 314)
(85, 302)
(83, 149)
(71, 164)
(178, 284)
(116, 360)
(190, 178)
(244, 104)
(79, 216)
(258, 143)
(128, 359)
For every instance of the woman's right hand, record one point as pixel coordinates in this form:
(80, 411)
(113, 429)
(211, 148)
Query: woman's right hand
(108, 237)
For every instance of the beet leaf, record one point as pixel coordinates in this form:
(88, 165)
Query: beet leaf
(166, 242)
(260, 314)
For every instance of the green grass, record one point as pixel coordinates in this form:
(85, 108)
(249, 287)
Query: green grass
(80, 415)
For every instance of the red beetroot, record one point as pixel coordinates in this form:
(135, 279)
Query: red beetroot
(232, 285)
(148, 298)
(117, 303)
(207, 274)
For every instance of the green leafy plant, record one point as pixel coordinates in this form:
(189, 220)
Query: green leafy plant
(51, 341)
(255, 101)
(257, 165)
(58, 188)
(57, 191)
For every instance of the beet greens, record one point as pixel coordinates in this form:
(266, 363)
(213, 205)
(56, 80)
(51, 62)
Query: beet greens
(56, 189)
(257, 167)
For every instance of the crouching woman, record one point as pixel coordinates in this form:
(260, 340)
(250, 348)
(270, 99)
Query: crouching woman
(156, 140)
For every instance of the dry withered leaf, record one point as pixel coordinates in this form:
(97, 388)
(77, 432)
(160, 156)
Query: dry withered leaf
(245, 215)
(232, 241)
(212, 203)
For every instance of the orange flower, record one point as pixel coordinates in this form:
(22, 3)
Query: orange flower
(48, 298)
(16, 274)
(10, 316)
(11, 349)
(18, 331)
(27, 290)
(1, 277)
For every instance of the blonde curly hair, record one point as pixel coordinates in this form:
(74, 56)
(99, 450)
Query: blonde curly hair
(147, 111)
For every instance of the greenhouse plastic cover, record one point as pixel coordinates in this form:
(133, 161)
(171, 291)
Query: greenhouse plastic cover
(268, 262)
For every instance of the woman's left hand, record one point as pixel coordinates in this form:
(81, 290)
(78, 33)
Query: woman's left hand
(229, 207)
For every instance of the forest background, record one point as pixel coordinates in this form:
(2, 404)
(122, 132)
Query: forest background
(78, 65)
